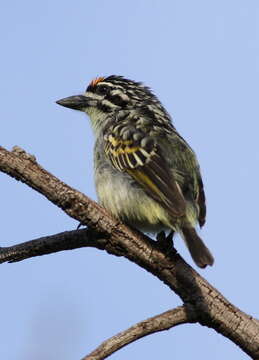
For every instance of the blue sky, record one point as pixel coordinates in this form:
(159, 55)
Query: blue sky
(201, 59)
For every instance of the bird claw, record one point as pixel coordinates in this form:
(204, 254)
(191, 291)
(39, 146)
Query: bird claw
(79, 225)
(165, 242)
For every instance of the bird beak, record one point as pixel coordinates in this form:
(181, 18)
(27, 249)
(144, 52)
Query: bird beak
(77, 102)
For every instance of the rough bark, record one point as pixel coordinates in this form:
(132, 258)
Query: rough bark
(165, 321)
(210, 307)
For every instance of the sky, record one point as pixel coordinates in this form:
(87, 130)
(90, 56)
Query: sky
(201, 59)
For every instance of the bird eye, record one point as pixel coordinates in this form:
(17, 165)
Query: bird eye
(102, 89)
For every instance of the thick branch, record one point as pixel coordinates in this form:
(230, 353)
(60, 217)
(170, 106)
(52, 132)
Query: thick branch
(211, 308)
(164, 321)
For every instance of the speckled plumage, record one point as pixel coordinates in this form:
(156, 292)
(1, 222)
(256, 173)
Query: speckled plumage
(145, 172)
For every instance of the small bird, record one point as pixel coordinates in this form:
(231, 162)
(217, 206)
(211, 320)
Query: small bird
(145, 172)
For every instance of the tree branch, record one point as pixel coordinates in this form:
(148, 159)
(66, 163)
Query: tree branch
(164, 321)
(211, 308)
(67, 240)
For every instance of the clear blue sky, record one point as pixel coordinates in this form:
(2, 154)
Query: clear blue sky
(201, 59)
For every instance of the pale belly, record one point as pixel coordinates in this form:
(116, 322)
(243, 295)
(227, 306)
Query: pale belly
(126, 200)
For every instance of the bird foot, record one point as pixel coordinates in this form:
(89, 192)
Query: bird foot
(164, 242)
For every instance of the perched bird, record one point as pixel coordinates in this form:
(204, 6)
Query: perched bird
(145, 172)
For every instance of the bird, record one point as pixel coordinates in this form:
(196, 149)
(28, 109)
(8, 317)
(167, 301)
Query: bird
(145, 173)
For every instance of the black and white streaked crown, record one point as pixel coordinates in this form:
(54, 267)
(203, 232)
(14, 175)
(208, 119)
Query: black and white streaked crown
(126, 93)
(120, 82)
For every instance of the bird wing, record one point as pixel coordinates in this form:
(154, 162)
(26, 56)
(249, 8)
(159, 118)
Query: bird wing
(137, 153)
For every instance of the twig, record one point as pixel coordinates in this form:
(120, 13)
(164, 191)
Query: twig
(164, 321)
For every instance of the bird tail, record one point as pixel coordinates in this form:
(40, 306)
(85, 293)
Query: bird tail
(199, 252)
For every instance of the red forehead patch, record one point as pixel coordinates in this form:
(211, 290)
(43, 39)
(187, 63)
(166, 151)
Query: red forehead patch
(96, 81)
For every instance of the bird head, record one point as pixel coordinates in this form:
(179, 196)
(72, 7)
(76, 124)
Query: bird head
(107, 95)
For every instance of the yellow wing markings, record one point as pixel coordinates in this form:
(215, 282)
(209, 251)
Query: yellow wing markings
(150, 170)
(171, 198)
(117, 142)
(146, 181)
(125, 153)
